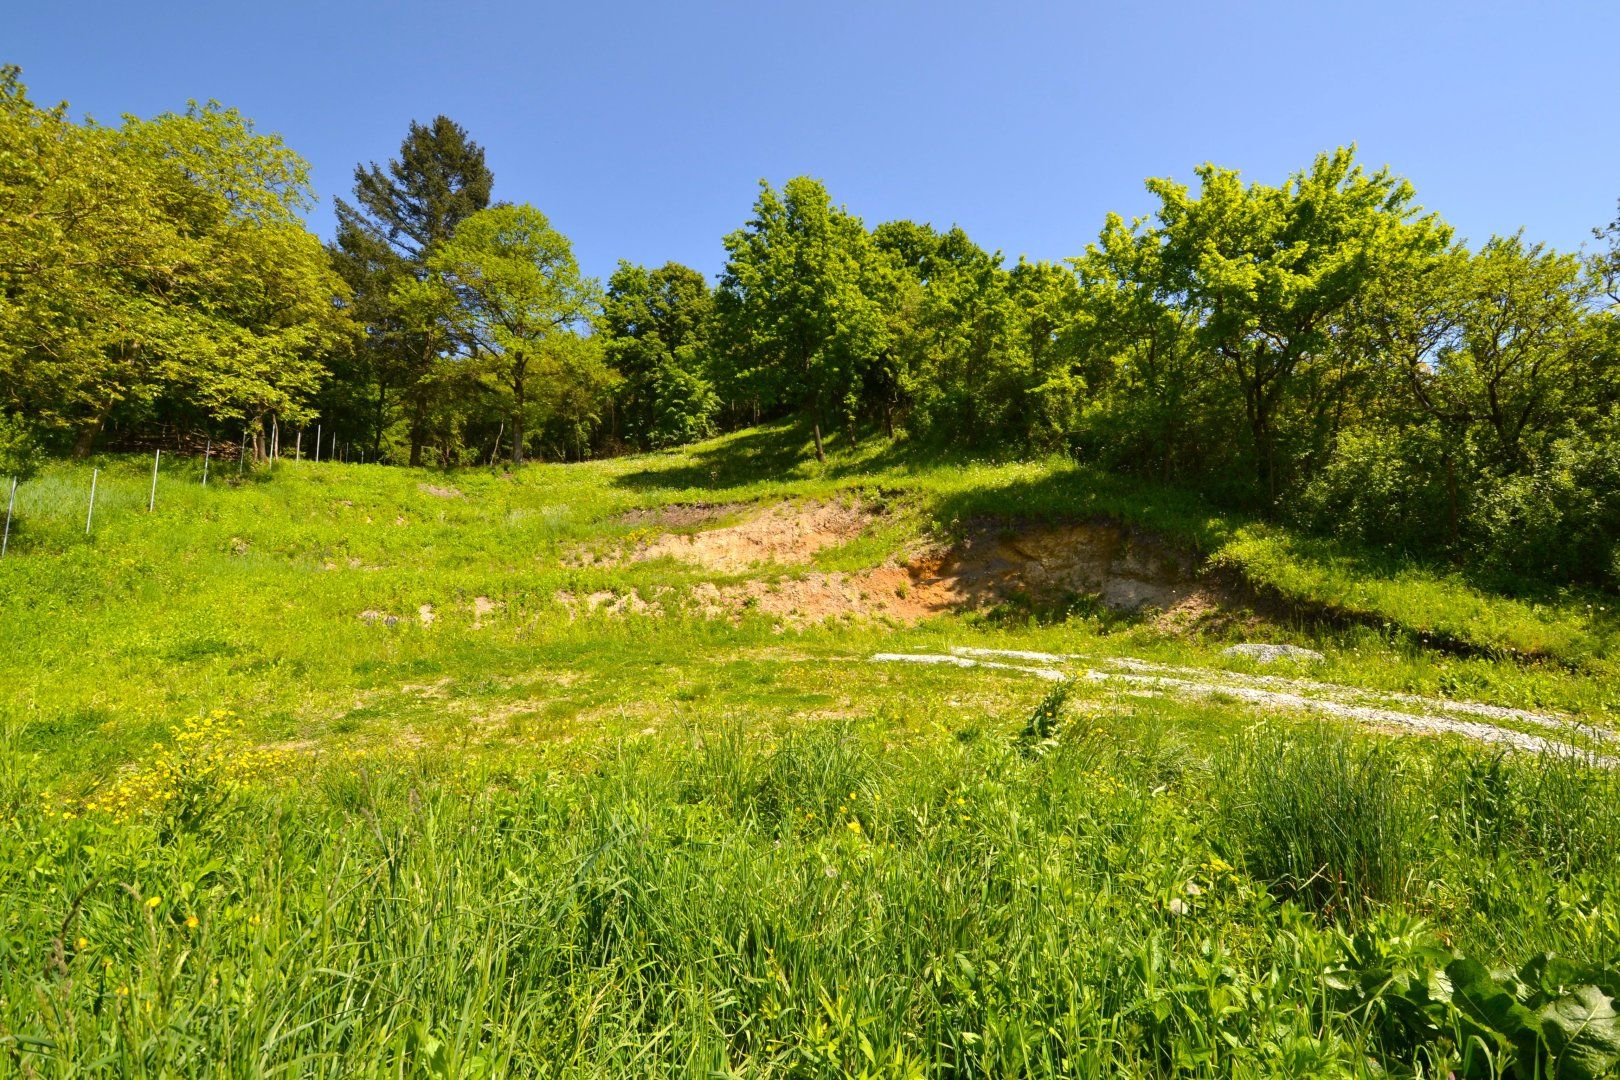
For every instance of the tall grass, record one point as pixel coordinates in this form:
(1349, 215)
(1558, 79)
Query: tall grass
(806, 905)
(1330, 819)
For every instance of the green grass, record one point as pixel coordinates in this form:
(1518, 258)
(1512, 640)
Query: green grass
(520, 839)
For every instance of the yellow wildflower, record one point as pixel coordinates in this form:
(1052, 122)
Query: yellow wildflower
(154, 901)
(191, 922)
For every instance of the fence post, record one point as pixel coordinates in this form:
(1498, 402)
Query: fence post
(91, 513)
(298, 447)
(241, 453)
(11, 503)
(151, 502)
(208, 448)
(275, 440)
(317, 443)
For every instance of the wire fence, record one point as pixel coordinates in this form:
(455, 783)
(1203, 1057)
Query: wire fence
(120, 485)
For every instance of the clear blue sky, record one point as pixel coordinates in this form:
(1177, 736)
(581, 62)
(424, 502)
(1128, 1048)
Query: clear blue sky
(642, 129)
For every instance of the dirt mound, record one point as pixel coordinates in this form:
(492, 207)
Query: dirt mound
(989, 567)
(785, 534)
(992, 565)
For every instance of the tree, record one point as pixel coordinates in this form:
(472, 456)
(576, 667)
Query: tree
(165, 258)
(979, 351)
(1139, 334)
(516, 290)
(400, 215)
(1272, 273)
(1518, 346)
(655, 327)
(800, 307)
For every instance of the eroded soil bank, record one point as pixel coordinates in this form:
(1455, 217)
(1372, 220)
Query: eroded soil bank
(991, 564)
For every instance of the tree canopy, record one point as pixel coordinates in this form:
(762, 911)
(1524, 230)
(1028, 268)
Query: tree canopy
(1322, 349)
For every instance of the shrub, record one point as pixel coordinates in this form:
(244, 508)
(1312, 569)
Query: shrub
(20, 455)
(1386, 488)
(1559, 518)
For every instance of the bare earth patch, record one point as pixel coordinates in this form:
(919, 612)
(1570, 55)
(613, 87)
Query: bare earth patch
(786, 534)
(679, 515)
(991, 565)
(440, 492)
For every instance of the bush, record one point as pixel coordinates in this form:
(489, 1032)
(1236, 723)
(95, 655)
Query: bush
(1386, 488)
(20, 455)
(1558, 519)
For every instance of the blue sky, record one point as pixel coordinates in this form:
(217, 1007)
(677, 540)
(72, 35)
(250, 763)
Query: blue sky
(642, 129)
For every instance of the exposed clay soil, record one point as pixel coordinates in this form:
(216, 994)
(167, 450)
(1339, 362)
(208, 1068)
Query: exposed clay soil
(786, 534)
(991, 565)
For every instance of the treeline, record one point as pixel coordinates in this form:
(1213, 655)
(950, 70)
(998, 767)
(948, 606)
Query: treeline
(1323, 349)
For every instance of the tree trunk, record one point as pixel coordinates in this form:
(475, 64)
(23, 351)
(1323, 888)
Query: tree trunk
(518, 373)
(382, 413)
(86, 440)
(1451, 508)
(418, 429)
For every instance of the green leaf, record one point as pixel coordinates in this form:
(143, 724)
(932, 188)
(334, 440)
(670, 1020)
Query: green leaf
(1480, 997)
(1582, 1032)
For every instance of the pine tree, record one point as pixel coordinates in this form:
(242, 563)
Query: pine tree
(400, 215)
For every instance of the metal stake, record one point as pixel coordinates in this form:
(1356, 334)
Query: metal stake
(92, 511)
(151, 502)
(11, 504)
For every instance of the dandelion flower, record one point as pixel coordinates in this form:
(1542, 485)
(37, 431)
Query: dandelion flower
(154, 901)
(191, 922)
(854, 826)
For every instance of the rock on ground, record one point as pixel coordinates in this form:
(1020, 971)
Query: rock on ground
(1269, 654)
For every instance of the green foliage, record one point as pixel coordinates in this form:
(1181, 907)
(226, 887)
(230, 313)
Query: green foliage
(800, 309)
(20, 455)
(163, 260)
(656, 327)
(1561, 518)
(508, 286)
(401, 214)
(978, 343)
(616, 831)
(1329, 820)
(1552, 1018)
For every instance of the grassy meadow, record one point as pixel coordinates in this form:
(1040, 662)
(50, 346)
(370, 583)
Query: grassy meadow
(344, 770)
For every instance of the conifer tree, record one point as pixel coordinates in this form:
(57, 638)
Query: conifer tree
(400, 215)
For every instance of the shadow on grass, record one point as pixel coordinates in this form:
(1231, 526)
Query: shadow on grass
(1080, 492)
(773, 452)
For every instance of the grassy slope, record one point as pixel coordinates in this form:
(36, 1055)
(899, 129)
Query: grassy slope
(625, 845)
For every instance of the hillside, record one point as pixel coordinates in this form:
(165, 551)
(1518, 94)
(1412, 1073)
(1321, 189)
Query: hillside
(722, 760)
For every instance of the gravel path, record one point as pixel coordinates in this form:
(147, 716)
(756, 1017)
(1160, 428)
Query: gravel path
(1470, 719)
